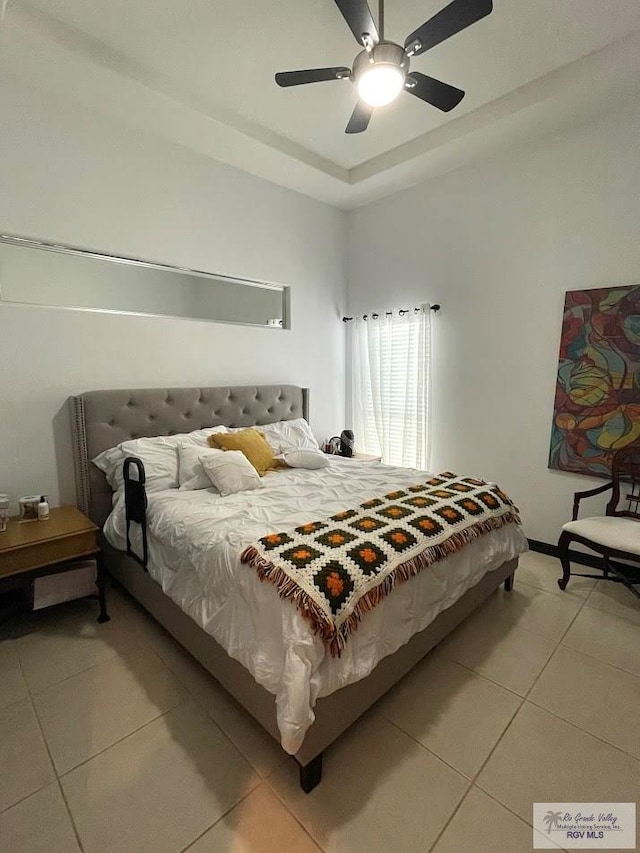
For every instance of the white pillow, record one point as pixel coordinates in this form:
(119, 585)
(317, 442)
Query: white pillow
(230, 471)
(289, 435)
(199, 436)
(158, 454)
(311, 459)
(191, 474)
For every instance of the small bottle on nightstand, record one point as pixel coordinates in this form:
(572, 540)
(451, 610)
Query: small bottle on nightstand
(43, 509)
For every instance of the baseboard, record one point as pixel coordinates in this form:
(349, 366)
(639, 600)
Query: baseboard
(543, 547)
(590, 560)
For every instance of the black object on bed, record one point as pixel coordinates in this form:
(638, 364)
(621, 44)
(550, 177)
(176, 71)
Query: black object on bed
(135, 501)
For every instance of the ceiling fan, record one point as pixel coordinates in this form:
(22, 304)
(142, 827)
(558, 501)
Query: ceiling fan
(381, 70)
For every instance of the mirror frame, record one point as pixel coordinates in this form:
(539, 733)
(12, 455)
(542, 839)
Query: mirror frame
(46, 245)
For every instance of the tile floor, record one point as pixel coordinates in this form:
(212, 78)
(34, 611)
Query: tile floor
(114, 740)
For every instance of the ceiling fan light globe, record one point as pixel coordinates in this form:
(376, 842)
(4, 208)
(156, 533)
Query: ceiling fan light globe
(380, 84)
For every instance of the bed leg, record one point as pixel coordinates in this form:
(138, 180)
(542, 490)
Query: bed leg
(508, 583)
(311, 774)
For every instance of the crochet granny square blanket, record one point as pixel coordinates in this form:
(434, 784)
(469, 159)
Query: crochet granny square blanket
(336, 569)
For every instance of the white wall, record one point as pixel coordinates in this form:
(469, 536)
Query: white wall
(72, 176)
(498, 244)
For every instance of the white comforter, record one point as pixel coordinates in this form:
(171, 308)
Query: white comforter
(195, 542)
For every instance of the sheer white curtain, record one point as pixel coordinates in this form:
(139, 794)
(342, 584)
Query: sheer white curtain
(390, 386)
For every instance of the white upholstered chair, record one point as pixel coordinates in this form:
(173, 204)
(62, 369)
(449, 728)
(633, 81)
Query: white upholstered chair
(615, 534)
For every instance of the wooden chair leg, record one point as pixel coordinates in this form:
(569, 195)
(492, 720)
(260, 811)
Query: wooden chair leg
(563, 553)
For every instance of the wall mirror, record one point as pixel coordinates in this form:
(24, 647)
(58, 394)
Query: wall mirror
(39, 273)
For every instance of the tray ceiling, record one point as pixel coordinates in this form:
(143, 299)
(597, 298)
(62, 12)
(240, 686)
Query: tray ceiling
(216, 61)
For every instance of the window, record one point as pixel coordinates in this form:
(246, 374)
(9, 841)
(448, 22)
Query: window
(390, 386)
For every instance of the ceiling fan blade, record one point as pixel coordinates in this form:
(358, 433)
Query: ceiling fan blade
(359, 18)
(455, 17)
(434, 92)
(359, 120)
(311, 75)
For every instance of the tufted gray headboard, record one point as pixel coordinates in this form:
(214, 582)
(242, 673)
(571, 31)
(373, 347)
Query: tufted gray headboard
(102, 419)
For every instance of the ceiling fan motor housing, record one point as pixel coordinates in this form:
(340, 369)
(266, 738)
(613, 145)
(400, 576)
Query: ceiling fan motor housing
(381, 71)
(385, 53)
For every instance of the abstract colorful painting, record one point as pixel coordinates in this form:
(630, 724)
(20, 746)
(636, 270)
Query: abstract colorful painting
(597, 405)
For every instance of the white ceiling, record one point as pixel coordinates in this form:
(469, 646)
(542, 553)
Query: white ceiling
(216, 59)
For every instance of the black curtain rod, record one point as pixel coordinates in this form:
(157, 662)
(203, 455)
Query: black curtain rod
(402, 311)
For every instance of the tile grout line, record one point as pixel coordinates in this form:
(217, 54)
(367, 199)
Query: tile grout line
(188, 696)
(68, 808)
(135, 731)
(426, 749)
(522, 699)
(507, 727)
(262, 783)
(30, 794)
(472, 782)
(292, 813)
(466, 778)
(200, 702)
(182, 684)
(451, 817)
(53, 766)
(222, 816)
(632, 619)
(263, 779)
(599, 660)
(561, 594)
(26, 797)
(212, 719)
(110, 659)
(28, 698)
(627, 619)
(41, 690)
(527, 823)
(192, 694)
(525, 699)
(481, 674)
(512, 620)
(587, 598)
(507, 622)
(584, 731)
(58, 776)
(558, 644)
(116, 742)
(526, 695)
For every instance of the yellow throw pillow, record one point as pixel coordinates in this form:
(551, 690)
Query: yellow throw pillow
(252, 443)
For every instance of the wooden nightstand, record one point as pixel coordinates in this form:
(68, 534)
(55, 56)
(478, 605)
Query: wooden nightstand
(32, 549)
(366, 457)
(357, 457)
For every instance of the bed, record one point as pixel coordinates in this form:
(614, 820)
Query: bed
(258, 647)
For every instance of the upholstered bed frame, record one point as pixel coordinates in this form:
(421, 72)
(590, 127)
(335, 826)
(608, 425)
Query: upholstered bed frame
(102, 419)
